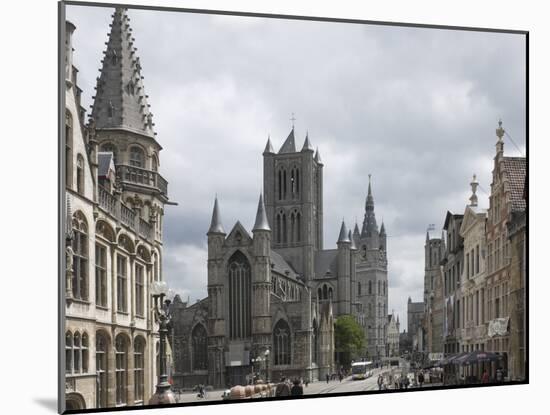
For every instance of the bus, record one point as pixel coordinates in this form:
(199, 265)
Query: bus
(361, 370)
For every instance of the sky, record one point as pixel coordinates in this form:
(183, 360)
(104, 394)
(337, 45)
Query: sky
(417, 108)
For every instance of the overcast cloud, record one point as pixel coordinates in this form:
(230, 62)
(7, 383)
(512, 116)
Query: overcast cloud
(416, 108)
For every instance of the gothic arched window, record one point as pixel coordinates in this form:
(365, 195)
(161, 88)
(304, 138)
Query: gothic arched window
(284, 238)
(358, 288)
(325, 292)
(137, 158)
(298, 227)
(198, 341)
(80, 174)
(80, 257)
(370, 287)
(281, 343)
(319, 293)
(68, 352)
(239, 296)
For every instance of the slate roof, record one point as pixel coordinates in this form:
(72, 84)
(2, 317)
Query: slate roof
(105, 162)
(280, 265)
(326, 260)
(289, 145)
(120, 100)
(515, 168)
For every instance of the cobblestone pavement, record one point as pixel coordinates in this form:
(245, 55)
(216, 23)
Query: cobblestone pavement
(321, 387)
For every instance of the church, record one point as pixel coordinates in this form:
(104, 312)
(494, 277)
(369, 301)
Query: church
(274, 293)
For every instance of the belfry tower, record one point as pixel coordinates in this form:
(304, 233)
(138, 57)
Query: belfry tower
(372, 278)
(293, 188)
(123, 125)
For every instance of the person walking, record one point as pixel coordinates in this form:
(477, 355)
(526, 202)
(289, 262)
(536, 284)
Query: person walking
(485, 377)
(420, 378)
(340, 376)
(282, 389)
(499, 375)
(297, 389)
(327, 377)
(380, 381)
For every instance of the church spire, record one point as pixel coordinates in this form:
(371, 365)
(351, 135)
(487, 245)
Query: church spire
(289, 145)
(353, 247)
(120, 101)
(261, 223)
(216, 223)
(369, 204)
(318, 157)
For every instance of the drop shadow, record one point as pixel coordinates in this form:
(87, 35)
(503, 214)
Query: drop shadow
(48, 403)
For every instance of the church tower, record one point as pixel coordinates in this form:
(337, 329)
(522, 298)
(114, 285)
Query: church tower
(372, 278)
(293, 190)
(123, 125)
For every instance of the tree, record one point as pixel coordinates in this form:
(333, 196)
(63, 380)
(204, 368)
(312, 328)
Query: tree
(349, 339)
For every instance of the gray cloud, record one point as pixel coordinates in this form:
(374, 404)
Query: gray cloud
(417, 108)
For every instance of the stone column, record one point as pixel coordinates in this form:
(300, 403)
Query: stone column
(113, 284)
(130, 395)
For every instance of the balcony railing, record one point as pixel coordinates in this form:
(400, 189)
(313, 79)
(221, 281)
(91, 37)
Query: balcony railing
(142, 177)
(124, 214)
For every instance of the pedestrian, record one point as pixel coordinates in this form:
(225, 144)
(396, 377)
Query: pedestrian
(282, 389)
(406, 382)
(420, 378)
(500, 375)
(380, 382)
(327, 377)
(340, 376)
(297, 389)
(485, 377)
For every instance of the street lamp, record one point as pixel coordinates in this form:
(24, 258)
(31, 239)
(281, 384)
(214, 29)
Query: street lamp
(266, 354)
(159, 290)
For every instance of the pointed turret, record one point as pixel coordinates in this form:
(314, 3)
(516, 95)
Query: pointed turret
(343, 237)
(120, 101)
(369, 204)
(268, 147)
(307, 145)
(216, 223)
(261, 223)
(353, 247)
(289, 145)
(382, 229)
(427, 236)
(318, 157)
(356, 229)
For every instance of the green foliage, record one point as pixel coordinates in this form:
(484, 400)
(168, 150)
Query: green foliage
(349, 339)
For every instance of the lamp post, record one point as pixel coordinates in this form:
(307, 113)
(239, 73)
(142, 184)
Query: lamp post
(266, 354)
(159, 290)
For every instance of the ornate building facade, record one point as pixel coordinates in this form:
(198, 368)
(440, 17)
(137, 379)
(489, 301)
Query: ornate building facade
(274, 293)
(115, 203)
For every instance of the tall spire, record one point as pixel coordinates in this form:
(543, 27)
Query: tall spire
(370, 227)
(261, 223)
(216, 223)
(289, 146)
(473, 199)
(343, 237)
(382, 229)
(120, 101)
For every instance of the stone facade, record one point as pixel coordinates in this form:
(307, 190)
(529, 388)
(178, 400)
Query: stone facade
(276, 290)
(506, 203)
(114, 239)
(415, 316)
(453, 263)
(473, 286)
(392, 338)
